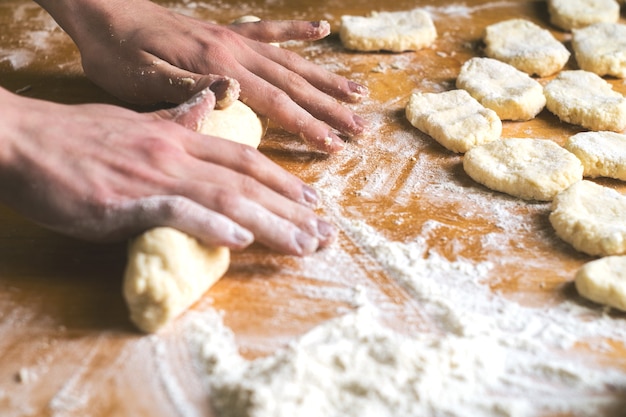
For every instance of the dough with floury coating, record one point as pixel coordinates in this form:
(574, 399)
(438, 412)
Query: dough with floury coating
(531, 169)
(511, 93)
(168, 271)
(604, 281)
(601, 49)
(399, 31)
(455, 119)
(574, 14)
(591, 218)
(526, 46)
(603, 154)
(584, 98)
(237, 123)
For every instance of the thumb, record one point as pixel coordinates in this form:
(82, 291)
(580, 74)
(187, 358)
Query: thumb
(190, 113)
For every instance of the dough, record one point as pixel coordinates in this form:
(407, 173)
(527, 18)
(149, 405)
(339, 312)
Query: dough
(584, 98)
(388, 31)
(511, 93)
(166, 273)
(591, 218)
(604, 281)
(167, 270)
(526, 46)
(573, 14)
(237, 122)
(601, 48)
(531, 169)
(603, 154)
(454, 119)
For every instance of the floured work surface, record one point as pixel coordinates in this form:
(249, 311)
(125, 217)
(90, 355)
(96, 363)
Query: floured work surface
(429, 249)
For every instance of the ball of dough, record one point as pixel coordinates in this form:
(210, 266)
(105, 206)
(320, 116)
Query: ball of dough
(166, 273)
(531, 169)
(603, 154)
(584, 98)
(237, 123)
(388, 31)
(604, 281)
(601, 49)
(511, 93)
(591, 218)
(572, 14)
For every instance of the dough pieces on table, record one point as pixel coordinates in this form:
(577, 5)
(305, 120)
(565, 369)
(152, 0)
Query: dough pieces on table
(526, 46)
(454, 119)
(573, 14)
(604, 281)
(584, 98)
(237, 123)
(167, 270)
(603, 154)
(388, 31)
(511, 93)
(166, 273)
(601, 48)
(531, 169)
(591, 218)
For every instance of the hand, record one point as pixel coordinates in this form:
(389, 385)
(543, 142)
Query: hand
(103, 173)
(145, 53)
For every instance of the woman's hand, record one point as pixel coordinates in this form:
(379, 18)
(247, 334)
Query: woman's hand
(103, 173)
(144, 53)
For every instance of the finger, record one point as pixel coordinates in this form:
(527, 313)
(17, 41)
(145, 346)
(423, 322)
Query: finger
(281, 31)
(332, 84)
(190, 113)
(136, 216)
(321, 106)
(249, 161)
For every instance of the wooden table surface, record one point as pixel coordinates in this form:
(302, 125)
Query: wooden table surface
(66, 345)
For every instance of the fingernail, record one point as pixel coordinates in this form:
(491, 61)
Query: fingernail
(242, 237)
(310, 195)
(334, 143)
(358, 89)
(305, 243)
(360, 122)
(326, 231)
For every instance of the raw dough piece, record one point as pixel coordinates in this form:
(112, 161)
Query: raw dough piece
(603, 154)
(584, 98)
(167, 270)
(604, 281)
(574, 14)
(454, 119)
(511, 93)
(526, 46)
(591, 218)
(237, 122)
(166, 273)
(388, 31)
(532, 169)
(601, 48)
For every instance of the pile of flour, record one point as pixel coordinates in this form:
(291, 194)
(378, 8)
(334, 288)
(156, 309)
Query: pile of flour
(488, 356)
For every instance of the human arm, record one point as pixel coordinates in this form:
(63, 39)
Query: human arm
(105, 173)
(144, 53)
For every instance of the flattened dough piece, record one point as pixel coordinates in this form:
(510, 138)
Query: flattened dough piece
(237, 122)
(166, 273)
(591, 218)
(526, 46)
(604, 281)
(573, 14)
(601, 48)
(511, 93)
(603, 154)
(388, 31)
(531, 169)
(454, 119)
(584, 98)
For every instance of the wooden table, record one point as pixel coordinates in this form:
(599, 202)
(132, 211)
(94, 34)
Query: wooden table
(66, 345)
